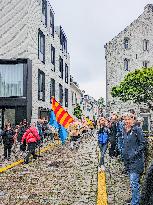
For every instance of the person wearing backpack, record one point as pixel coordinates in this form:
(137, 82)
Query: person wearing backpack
(103, 137)
(7, 137)
(133, 155)
(32, 137)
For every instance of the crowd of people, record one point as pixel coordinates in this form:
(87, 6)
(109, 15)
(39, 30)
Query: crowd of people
(124, 137)
(25, 138)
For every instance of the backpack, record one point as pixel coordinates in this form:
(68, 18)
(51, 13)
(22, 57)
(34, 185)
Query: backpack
(102, 137)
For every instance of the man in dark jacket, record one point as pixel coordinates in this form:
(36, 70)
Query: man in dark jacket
(113, 151)
(147, 190)
(133, 155)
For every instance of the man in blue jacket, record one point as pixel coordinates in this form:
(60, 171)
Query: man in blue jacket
(133, 154)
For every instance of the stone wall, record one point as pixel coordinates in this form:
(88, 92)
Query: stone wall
(136, 32)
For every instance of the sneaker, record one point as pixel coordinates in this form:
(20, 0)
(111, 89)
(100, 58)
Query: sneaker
(103, 168)
(128, 201)
(99, 169)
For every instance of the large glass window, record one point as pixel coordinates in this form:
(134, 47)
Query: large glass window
(11, 80)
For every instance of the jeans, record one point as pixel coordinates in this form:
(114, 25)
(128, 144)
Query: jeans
(120, 146)
(103, 148)
(135, 188)
(31, 150)
(7, 150)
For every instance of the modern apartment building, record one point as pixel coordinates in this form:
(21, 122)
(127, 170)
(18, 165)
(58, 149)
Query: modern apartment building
(34, 61)
(132, 48)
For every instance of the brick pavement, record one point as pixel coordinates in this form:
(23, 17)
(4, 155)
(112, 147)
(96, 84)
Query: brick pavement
(60, 177)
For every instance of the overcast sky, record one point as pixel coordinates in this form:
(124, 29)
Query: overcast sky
(89, 25)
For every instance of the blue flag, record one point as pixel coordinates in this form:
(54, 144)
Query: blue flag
(61, 130)
(53, 121)
(62, 133)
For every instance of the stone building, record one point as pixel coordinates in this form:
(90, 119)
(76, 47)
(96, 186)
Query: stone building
(34, 61)
(132, 48)
(90, 107)
(76, 94)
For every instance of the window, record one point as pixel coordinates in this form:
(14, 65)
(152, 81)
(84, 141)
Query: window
(53, 56)
(52, 88)
(44, 11)
(72, 98)
(41, 46)
(145, 64)
(66, 74)
(126, 43)
(41, 85)
(66, 97)
(145, 45)
(61, 67)
(52, 22)
(11, 80)
(60, 94)
(126, 64)
(63, 40)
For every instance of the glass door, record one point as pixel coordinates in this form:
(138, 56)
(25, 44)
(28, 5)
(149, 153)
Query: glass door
(9, 116)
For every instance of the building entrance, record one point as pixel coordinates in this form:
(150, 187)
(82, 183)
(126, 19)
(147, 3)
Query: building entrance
(7, 115)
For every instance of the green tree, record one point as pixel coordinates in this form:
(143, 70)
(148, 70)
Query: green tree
(78, 111)
(137, 86)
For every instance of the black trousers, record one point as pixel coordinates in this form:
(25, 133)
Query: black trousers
(31, 151)
(7, 150)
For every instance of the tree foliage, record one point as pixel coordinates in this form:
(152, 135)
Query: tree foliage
(137, 86)
(78, 111)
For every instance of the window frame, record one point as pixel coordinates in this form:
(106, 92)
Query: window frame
(60, 94)
(126, 43)
(41, 36)
(66, 73)
(66, 97)
(61, 67)
(42, 87)
(44, 10)
(145, 64)
(53, 56)
(145, 45)
(126, 64)
(52, 22)
(52, 88)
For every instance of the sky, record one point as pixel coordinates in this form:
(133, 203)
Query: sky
(89, 25)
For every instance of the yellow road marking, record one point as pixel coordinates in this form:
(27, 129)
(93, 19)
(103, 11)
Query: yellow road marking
(14, 164)
(102, 193)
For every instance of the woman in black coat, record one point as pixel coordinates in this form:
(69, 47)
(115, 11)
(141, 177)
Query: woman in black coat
(147, 190)
(8, 141)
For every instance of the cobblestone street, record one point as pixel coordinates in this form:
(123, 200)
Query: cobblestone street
(60, 177)
(118, 187)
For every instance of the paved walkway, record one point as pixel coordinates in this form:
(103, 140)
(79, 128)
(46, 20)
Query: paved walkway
(118, 187)
(60, 177)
